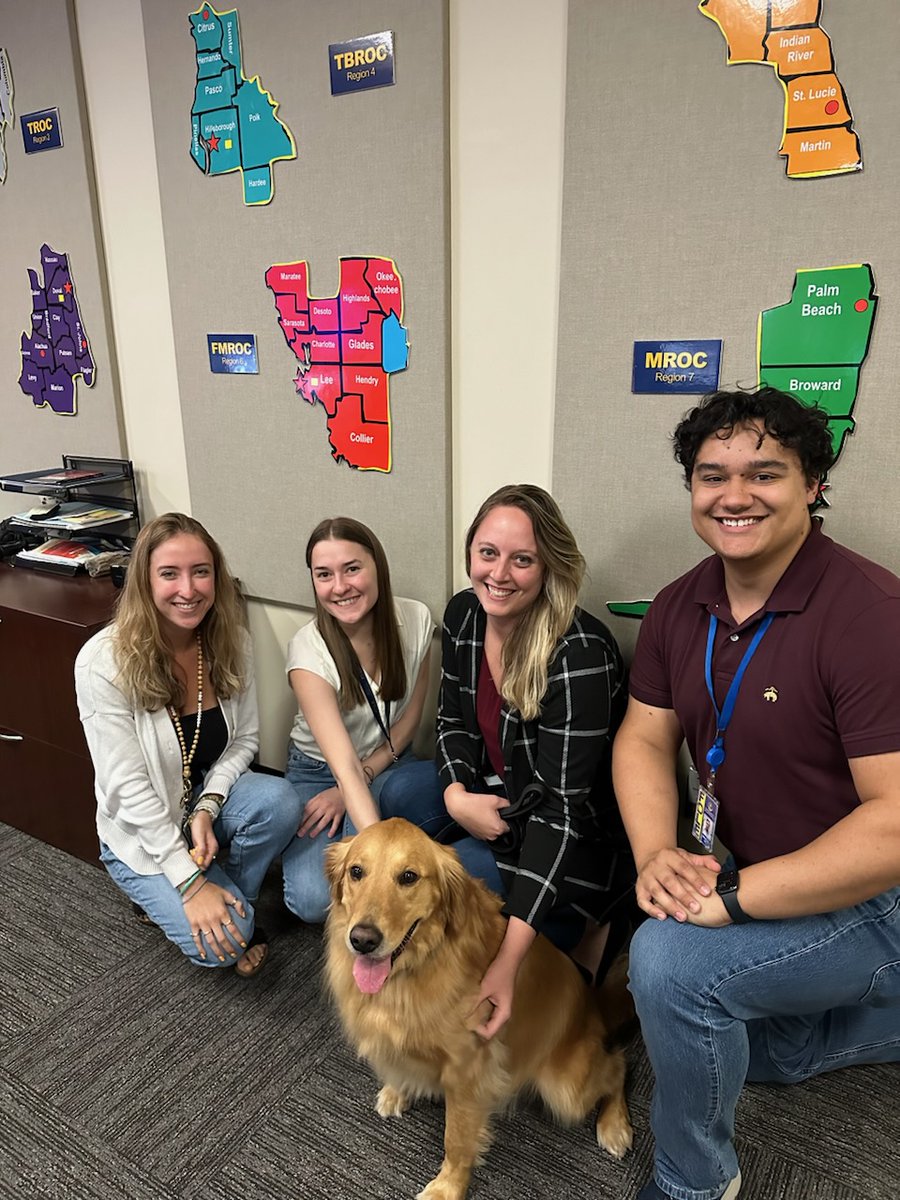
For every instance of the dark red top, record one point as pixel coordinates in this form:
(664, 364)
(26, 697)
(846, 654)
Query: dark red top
(822, 688)
(488, 703)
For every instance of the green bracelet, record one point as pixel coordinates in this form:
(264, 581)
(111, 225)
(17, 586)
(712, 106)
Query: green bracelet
(185, 899)
(183, 887)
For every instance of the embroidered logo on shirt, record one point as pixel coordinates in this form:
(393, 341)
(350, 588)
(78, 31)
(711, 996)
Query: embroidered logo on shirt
(771, 693)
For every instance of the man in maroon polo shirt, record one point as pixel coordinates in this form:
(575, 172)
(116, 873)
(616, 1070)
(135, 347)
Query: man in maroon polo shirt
(777, 659)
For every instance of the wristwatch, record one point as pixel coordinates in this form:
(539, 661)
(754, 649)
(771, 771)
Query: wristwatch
(726, 887)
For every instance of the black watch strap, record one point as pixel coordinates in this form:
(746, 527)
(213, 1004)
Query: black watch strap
(726, 887)
(733, 907)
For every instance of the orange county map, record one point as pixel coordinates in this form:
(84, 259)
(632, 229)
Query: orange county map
(818, 137)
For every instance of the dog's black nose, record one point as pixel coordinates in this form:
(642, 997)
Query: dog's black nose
(365, 938)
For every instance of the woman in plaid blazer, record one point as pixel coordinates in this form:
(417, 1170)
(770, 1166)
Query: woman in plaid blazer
(532, 690)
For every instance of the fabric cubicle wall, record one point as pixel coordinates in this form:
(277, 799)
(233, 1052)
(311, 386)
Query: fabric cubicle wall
(370, 178)
(679, 222)
(49, 197)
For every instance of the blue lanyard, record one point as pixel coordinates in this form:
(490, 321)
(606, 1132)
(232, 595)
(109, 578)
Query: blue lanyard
(715, 755)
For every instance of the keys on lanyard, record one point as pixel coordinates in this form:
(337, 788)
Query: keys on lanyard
(706, 812)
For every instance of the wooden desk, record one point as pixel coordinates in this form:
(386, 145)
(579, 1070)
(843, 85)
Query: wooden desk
(46, 776)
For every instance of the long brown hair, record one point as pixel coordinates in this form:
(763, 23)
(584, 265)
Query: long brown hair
(529, 648)
(145, 661)
(388, 648)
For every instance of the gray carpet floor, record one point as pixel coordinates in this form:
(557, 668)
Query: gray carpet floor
(126, 1074)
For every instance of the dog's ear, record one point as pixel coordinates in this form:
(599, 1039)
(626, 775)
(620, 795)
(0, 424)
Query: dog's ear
(335, 862)
(455, 886)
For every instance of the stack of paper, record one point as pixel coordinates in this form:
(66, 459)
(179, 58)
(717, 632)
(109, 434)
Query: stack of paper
(77, 515)
(61, 550)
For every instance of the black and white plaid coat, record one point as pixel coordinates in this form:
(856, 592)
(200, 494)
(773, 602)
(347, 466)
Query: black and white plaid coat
(571, 847)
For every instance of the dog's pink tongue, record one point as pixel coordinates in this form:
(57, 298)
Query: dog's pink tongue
(370, 973)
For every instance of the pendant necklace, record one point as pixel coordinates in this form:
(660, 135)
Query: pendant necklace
(187, 756)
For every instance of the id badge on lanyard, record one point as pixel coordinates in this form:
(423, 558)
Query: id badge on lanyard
(706, 812)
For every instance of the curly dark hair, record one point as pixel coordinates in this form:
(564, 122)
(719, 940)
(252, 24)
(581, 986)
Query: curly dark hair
(800, 427)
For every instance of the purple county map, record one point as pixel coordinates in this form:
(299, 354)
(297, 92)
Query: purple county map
(55, 351)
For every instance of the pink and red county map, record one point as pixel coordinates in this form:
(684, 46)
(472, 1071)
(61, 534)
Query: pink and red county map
(55, 353)
(346, 347)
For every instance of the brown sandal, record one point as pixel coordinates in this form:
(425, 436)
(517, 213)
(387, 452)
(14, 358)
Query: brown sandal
(259, 939)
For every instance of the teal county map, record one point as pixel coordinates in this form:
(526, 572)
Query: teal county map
(234, 126)
(6, 108)
(55, 351)
(346, 347)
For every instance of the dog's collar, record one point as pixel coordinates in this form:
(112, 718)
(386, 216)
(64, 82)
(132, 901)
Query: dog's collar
(407, 937)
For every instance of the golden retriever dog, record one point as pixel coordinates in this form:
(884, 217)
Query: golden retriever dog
(410, 935)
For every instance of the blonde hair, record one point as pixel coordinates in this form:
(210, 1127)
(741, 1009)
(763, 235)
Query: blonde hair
(529, 648)
(388, 648)
(142, 655)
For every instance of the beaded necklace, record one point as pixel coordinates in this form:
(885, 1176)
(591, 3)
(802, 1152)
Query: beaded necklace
(187, 756)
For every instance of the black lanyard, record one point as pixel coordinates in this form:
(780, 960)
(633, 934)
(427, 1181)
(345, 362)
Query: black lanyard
(383, 724)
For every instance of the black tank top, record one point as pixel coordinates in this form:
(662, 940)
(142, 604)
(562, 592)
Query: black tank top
(212, 743)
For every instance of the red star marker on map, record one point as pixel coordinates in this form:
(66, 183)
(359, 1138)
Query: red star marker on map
(67, 287)
(213, 141)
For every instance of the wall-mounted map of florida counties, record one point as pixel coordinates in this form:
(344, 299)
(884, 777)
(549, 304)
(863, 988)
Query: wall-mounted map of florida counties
(233, 121)
(346, 345)
(818, 137)
(55, 352)
(6, 108)
(815, 345)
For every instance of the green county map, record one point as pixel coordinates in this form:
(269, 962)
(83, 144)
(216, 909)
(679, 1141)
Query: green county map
(234, 126)
(815, 345)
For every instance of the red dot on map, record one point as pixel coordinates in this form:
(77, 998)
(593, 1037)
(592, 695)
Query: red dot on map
(861, 305)
(43, 354)
(206, 18)
(831, 107)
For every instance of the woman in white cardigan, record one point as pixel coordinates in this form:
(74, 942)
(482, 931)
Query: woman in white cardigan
(168, 704)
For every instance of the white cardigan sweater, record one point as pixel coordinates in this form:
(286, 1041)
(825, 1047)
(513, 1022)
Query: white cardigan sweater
(137, 763)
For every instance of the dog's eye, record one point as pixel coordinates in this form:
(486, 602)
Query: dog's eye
(355, 872)
(407, 878)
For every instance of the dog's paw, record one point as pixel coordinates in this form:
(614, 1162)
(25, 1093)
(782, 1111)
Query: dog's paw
(614, 1132)
(440, 1189)
(391, 1103)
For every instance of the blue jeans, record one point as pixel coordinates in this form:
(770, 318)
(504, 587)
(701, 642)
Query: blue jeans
(303, 861)
(259, 817)
(766, 1002)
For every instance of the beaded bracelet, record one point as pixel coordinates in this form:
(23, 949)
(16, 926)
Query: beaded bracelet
(209, 805)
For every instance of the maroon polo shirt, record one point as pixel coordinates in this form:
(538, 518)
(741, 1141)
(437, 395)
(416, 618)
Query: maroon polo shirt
(823, 687)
